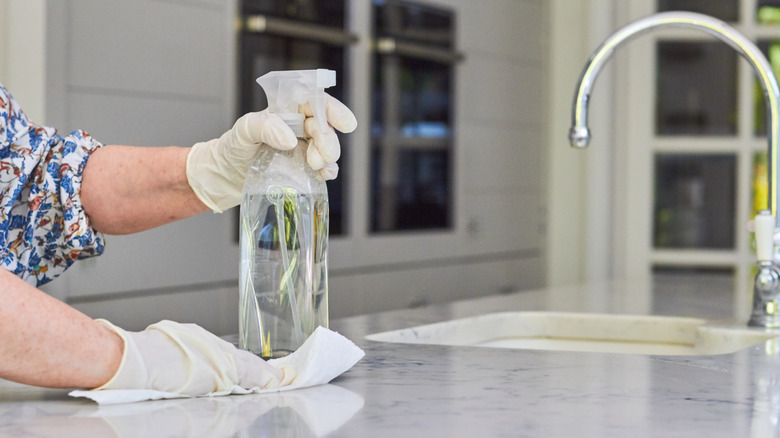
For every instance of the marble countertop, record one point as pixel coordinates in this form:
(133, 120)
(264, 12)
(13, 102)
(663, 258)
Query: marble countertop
(439, 391)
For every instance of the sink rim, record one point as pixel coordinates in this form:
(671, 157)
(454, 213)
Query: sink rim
(701, 336)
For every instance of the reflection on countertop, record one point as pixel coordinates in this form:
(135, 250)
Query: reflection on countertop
(434, 391)
(314, 412)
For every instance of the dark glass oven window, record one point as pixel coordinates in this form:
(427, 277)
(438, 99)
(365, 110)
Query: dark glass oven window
(324, 12)
(411, 129)
(411, 22)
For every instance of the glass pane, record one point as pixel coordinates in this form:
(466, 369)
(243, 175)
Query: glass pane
(261, 53)
(324, 12)
(771, 50)
(694, 201)
(412, 144)
(411, 127)
(697, 89)
(420, 196)
(425, 99)
(413, 22)
(726, 10)
(768, 12)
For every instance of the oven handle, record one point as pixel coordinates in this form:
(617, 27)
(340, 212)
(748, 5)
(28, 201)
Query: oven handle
(391, 46)
(297, 29)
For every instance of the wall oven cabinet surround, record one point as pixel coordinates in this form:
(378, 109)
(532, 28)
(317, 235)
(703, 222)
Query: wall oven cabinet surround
(296, 35)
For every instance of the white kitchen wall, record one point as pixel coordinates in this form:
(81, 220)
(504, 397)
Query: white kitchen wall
(151, 73)
(4, 40)
(579, 228)
(22, 52)
(154, 72)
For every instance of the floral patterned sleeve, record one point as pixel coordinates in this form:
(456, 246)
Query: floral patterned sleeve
(43, 227)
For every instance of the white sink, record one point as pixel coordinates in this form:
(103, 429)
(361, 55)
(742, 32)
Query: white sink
(630, 334)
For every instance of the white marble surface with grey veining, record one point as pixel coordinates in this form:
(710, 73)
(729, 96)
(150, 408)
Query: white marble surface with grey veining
(407, 390)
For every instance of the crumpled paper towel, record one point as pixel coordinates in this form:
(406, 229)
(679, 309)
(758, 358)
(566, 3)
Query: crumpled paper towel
(322, 358)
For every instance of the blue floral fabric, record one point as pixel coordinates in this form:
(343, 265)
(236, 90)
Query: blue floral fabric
(43, 227)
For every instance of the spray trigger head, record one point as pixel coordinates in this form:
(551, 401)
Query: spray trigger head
(288, 89)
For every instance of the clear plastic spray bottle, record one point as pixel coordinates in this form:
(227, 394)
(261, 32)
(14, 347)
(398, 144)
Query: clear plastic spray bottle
(284, 228)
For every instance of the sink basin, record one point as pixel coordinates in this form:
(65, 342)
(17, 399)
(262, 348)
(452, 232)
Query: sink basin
(629, 334)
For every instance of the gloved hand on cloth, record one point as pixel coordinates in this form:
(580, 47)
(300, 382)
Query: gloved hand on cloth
(172, 360)
(216, 168)
(186, 359)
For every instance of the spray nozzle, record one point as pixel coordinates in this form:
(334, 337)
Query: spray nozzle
(288, 89)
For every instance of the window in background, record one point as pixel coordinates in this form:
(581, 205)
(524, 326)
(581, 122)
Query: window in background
(726, 10)
(412, 118)
(694, 200)
(695, 196)
(768, 12)
(697, 93)
(708, 170)
(296, 35)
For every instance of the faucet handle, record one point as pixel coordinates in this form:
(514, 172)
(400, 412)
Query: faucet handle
(765, 230)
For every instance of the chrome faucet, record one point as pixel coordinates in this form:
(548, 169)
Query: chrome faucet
(766, 289)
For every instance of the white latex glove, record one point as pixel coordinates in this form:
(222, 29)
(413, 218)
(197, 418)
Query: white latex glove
(216, 168)
(187, 359)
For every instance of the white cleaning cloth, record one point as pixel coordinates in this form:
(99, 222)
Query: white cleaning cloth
(323, 357)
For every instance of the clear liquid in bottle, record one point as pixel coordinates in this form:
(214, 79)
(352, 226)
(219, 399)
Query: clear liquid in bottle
(284, 237)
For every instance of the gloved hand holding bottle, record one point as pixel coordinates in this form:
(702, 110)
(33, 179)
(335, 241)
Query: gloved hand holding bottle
(185, 358)
(216, 168)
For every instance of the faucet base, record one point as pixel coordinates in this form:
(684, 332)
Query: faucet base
(766, 296)
(765, 321)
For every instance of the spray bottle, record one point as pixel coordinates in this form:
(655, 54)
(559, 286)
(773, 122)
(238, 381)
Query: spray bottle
(284, 227)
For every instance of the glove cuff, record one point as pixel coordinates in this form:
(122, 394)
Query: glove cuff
(131, 373)
(196, 174)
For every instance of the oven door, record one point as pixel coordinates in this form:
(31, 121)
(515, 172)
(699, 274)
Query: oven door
(284, 35)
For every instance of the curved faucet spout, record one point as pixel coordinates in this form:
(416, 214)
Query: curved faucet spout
(579, 135)
(766, 291)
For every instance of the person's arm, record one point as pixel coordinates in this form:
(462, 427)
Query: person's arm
(126, 189)
(45, 342)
